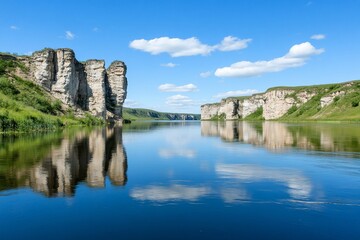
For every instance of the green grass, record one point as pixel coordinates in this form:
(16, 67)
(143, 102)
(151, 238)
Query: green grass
(343, 107)
(220, 117)
(24, 106)
(257, 115)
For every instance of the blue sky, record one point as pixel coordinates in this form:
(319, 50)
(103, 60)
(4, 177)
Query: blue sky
(184, 53)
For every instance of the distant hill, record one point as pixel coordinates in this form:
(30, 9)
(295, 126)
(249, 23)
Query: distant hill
(148, 114)
(338, 101)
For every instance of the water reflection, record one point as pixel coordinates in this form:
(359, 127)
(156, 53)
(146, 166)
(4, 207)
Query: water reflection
(175, 192)
(67, 160)
(298, 186)
(277, 136)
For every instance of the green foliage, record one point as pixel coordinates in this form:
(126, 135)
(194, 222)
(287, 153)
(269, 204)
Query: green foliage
(343, 107)
(10, 65)
(292, 110)
(29, 94)
(337, 98)
(90, 120)
(257, 115)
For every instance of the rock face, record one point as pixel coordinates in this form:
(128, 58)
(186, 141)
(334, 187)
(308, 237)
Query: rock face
(82, 86)
(66, 82)
(273, 104)
(95, 89)
(116, 86)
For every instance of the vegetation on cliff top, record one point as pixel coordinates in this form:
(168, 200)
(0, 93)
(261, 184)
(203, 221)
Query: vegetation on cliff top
(24, 106)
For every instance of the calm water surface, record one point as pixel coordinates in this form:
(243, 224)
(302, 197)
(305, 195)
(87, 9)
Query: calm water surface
(183, 180)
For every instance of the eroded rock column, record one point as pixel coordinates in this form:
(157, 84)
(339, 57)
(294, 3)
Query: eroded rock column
(116, 87)
(66, 82)
(95, 90)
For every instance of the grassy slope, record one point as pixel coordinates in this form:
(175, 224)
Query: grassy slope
(344, 107)
(147, 114)
(24, 106)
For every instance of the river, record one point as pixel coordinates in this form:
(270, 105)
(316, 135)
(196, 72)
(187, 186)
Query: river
(183, 180)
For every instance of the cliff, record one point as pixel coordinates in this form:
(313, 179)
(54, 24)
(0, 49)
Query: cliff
(83, 86)
(330, 102)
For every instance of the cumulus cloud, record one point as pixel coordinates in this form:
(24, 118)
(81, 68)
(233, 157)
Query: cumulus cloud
(167, 87)
(205, 74)
(174, 192)
(69, 35)
(179, 101)
(296, 57)
(231, 43)
(170, 65)
(318, 36)
(236, 93)
(177, 47)
(13, 27)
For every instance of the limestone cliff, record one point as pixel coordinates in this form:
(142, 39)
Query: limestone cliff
(311, 102)
(82, 86)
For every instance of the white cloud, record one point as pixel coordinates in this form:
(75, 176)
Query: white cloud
(296, 57)
(179, 101)
(69, 35)
(174, 192)
(177, 47)
(205, 74)
(130, 103)
(236, 93)
(231, 43)
(170, 65)
(13, 27)
(167, 87)
(318, 36)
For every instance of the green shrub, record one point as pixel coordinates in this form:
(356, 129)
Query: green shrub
(292, 110)
(90, 120)
(257, 115)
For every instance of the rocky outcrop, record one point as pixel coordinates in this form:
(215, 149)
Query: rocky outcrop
(327, 100)
(83, 86)
(277, 102)
(274, 104)
(95, 88)
(116, 88)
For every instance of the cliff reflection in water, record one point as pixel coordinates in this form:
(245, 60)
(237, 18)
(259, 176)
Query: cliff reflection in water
(81, 156)
(277, 136)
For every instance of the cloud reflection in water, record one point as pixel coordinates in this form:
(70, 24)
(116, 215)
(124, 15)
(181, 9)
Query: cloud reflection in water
(298, 186)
